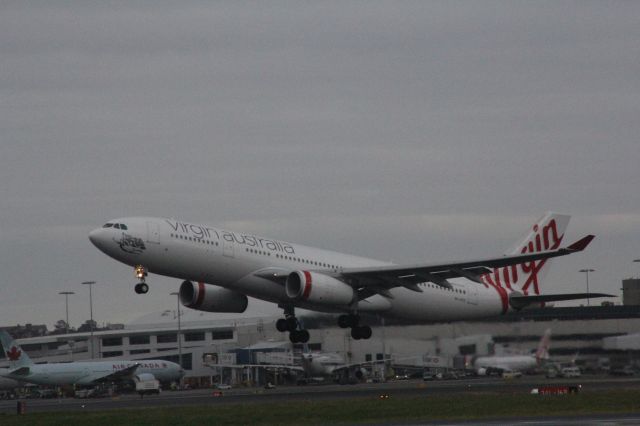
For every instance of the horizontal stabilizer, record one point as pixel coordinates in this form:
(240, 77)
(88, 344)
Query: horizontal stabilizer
(581, 244)
(20, 371)
(519, 302)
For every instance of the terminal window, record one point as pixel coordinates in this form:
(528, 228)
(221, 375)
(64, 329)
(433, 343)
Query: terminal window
(222, 335)
(112, 341)
(167, 338)
(32, 347)
(194, 337)
(139, 340)
(111, 354)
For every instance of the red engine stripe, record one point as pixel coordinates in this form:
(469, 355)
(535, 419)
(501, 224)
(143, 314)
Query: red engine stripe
(307, 285)
(200, 296)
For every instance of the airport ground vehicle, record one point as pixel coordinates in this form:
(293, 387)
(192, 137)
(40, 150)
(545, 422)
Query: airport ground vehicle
(146, 384)
(570, 372)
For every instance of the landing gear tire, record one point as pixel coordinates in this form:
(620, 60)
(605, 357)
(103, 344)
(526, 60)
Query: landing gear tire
(290, 323)
(141, 288)
(281, 325)
(362, 332)
(365, 332)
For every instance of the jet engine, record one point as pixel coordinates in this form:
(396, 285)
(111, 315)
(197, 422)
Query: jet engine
(318, 288)
(211, 298)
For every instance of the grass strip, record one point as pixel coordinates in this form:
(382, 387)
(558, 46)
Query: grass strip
(349, 411)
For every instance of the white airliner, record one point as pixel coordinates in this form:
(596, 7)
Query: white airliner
(22, 369)
(221, 268)
(499, 364)
(316, 366)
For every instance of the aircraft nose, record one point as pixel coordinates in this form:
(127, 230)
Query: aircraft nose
(95, 237)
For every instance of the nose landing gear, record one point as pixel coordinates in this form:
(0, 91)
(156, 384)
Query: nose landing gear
(141, 273)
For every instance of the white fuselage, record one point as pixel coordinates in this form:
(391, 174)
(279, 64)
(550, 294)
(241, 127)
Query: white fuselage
(229, 259)
(319, 365)
(86, 373)
(506, 363)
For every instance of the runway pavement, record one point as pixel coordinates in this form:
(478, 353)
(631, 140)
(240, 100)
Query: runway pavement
(318, 392)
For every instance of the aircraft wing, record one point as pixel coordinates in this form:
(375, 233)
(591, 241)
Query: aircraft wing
(359, 365)
(20, 371)
(115, 376)
(267, 366)
(379, 279)
(519, 302)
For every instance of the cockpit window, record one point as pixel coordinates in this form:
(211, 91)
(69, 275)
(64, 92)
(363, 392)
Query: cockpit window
(123, 226)
(108, 225)
(117, 226)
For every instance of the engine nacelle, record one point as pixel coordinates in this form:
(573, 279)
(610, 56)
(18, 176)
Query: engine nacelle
(361, 373)
(211, 298)
(318, 288)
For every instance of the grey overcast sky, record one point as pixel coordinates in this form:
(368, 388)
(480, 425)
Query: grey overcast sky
(400, 130)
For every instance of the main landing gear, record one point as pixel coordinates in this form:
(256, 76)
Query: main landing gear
(290, 323)
(141, 274)
(357, 331)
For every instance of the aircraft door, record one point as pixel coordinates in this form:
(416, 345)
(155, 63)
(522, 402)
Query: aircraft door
(153, 232)
(227, 248)
(472, 294)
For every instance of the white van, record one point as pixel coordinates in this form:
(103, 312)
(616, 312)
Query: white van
(568, 372)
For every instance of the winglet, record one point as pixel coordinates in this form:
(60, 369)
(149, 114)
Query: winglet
(581, 244)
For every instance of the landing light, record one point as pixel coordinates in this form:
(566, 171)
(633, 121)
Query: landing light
(140, 272)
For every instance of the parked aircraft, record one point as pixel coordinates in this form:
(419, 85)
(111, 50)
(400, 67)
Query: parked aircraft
(222, 268)
(315, 366)
(500, 364)
(22, 369)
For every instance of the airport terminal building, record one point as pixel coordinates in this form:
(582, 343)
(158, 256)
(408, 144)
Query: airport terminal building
(204, 341)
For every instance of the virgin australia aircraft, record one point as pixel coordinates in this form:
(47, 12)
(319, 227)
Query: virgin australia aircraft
(22, 369)
(500, 364)
(222, 268)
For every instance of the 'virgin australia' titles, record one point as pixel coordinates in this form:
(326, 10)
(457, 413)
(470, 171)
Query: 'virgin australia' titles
(202, 232)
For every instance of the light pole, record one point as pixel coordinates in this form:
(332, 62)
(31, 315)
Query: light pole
(90, 284)
(586, 271)
(66, 303)
(175, 293)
